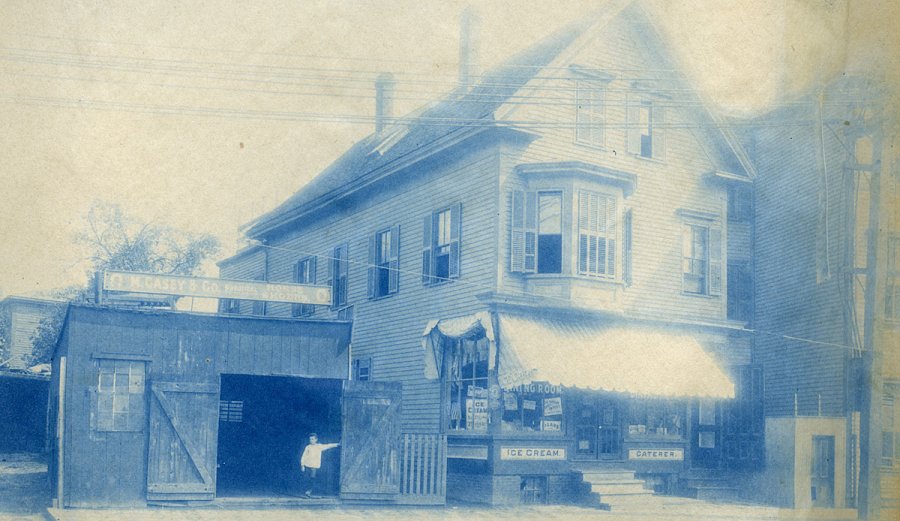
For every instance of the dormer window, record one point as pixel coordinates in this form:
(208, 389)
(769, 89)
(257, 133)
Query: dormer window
(646, 130)
(589, 112)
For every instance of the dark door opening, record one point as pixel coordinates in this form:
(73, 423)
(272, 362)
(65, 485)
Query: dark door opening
(706, 435)
(598, 428)
(264, 423)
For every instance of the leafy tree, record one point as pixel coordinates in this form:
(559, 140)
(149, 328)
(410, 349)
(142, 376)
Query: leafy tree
(119, 242)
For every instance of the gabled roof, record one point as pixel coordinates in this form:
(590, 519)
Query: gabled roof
(456, 113)
(459, 115)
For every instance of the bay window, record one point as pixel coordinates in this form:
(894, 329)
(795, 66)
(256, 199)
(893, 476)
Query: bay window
(596, 234)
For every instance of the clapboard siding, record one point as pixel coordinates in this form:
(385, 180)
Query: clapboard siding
(110, 468)
(247, 265)
(25, 316)
(679, 181)
(789, 299)
(388, 330)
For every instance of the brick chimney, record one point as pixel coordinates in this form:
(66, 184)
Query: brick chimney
(384, 100)
(469, 35)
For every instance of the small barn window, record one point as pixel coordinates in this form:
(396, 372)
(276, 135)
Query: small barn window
(362, 369)
(118, 398)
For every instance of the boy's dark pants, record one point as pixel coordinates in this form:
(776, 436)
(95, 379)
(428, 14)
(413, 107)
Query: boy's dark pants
(311, 480)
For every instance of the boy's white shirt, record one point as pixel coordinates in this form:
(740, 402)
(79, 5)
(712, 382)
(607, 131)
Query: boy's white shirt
(312, 454)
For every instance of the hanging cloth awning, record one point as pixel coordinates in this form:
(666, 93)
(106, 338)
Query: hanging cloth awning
(467, 327)
(624, 360)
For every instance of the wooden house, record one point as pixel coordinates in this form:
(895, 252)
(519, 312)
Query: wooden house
(553, 260)
(23, 316)
(165, 406)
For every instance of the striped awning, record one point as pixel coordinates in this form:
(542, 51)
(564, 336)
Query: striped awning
(572, 353)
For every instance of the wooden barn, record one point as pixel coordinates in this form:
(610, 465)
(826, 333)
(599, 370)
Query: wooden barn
(165, 406)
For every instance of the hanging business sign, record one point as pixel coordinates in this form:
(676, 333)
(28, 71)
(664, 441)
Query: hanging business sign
(656, 454)
(532, 453)
(156, 284)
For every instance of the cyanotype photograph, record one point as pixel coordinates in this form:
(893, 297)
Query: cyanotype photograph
(360, 259)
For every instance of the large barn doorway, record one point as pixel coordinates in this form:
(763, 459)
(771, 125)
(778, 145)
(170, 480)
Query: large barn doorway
(264, 423)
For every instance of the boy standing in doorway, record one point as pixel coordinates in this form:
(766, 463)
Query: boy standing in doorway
(311, 462)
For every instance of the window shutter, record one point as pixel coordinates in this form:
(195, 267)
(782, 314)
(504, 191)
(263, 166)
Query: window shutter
(343, 274)
(394, 274)
(371, 271)
(312, 269)
(658, 130)
(455, 239)
(355, 373)
(517, 232)
(686, 243)
(632, 127)
(626, 253)
(531, 211)
(523, 233)
(295, 308)
(611, 219)
(715, 260)
(329, 275)
(426, 248)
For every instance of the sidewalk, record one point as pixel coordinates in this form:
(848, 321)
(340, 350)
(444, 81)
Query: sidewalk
(659, 507)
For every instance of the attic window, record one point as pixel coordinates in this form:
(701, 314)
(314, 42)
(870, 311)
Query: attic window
(392, 138)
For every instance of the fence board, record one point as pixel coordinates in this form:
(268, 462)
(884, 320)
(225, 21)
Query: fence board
(423, 476)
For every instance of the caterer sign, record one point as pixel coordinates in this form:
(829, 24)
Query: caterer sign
(215, 288)
(656, 454)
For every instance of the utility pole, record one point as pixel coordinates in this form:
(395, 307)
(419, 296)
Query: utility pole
(869, 507)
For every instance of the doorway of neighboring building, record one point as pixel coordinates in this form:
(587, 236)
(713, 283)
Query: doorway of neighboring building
(822, 472)
(598, 428)
(706, 437)
(264, 423)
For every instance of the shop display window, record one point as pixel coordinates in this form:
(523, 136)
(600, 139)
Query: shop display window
(656, 418)
(535, 407)
(466, 372)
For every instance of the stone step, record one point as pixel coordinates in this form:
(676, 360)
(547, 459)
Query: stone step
(721, 492)
(612, 475)
(626, 488)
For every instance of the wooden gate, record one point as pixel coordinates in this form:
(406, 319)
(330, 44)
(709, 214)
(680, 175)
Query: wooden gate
(370, 441)
(423, 470)
(182, 450)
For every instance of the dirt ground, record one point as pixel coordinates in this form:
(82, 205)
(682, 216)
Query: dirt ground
(24, 489)
(24, 495)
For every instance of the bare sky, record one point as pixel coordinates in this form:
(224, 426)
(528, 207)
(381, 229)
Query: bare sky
(203, 115)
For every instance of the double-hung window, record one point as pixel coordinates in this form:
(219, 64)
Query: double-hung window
(118, 398)
(892, 295)
(701, 248)
(890, 429)
(589, 112)
(646, 128)
(537, 232)
(338, 270)
(597, 234)
(441, 245)
(384, 263)
(304, 273)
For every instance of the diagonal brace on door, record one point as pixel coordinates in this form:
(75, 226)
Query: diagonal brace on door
(187, 443)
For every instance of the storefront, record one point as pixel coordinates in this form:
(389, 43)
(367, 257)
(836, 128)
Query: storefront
(529, 402)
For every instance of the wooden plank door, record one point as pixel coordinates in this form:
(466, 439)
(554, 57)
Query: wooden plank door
(182, 450)
(370, 440)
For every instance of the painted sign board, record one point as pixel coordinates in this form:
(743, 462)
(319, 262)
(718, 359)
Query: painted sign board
(532, 453)
(656, 454)
(157, 284)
